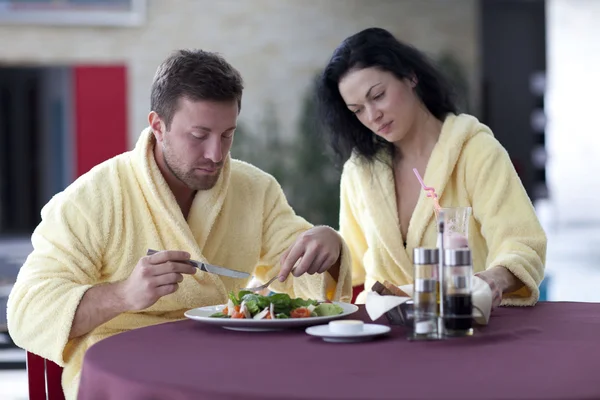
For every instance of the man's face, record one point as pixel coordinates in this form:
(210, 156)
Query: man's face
(198, 141)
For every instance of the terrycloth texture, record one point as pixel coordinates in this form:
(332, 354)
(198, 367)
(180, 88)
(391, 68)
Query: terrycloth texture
(98, 228)
(468, 167)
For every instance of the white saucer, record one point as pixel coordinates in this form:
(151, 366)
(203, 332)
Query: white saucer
(369, 332)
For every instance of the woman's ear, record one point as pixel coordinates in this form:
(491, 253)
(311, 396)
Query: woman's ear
(413, 81)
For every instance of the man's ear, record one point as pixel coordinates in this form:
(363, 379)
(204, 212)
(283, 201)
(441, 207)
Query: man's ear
(157, 125)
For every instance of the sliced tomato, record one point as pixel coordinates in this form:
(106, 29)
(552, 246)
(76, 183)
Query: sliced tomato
(301, 312)
(238, 315)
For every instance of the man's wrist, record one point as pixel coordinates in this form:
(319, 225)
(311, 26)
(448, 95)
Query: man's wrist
(121, 303)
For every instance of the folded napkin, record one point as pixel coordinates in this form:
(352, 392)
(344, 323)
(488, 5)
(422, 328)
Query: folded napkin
(377, 305)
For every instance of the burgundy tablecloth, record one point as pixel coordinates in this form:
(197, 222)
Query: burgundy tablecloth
(551, 351)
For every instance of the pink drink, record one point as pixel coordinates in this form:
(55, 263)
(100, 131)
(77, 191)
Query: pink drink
(456, 223)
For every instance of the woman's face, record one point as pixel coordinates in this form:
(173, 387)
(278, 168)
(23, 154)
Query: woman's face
(381, 102)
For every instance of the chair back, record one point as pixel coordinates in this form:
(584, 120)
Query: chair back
(44, 379)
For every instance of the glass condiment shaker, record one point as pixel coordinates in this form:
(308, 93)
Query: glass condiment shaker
(425, 293)
(457, 301)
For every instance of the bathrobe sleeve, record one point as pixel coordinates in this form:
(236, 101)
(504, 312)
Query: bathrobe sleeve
(281, 227)
(514, 236)
(350, 229)
(64, 264)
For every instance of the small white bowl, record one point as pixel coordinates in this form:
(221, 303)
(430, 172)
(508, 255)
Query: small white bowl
(346, 326)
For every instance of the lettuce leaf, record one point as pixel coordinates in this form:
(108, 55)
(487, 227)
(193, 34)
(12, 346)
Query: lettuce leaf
(242, 293)
(252, 306)
(281, 302)
(297, 303)
(261, 302)
(219, 315)
(234, 298)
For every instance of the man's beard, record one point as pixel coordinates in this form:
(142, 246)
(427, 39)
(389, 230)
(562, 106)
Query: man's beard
(189, 178)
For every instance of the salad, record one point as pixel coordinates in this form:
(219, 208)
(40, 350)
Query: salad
(250, 305)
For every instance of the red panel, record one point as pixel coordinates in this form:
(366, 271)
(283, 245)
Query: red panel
(36, 377)
(100, 100)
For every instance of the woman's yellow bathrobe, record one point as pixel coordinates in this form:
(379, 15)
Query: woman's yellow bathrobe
(468, 167)
(98, 228)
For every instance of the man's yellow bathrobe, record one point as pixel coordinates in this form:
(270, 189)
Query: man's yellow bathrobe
(468, 167)
(97, 230)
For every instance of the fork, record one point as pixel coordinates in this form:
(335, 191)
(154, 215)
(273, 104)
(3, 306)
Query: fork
(265, 285)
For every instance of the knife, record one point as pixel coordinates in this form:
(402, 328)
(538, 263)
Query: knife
(213, 269)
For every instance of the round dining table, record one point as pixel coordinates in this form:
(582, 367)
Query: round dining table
(550, 351)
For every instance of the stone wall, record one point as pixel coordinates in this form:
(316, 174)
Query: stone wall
(278, 45)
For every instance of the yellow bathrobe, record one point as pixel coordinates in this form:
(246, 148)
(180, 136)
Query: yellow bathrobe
(99, 227)
(468, 167)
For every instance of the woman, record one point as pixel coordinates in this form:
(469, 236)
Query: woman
(388, 110)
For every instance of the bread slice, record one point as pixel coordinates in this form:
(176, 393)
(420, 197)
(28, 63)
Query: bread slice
(382, 290)
(396, 291)
(388, 289)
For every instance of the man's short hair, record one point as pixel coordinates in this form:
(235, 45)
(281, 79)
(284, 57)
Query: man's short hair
(196, 75)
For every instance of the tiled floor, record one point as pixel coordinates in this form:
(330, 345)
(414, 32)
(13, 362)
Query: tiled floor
(572, 270)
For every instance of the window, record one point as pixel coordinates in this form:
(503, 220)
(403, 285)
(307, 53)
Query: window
(73, 12)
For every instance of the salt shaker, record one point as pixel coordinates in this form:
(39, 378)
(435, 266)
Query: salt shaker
(425, 293)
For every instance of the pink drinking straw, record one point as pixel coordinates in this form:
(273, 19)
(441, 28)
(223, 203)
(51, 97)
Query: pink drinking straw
(430, 191)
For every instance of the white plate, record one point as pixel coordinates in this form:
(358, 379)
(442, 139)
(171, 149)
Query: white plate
(203, 314)
(369, 332)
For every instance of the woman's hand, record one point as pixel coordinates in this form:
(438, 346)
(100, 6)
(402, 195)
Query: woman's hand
(500, 280)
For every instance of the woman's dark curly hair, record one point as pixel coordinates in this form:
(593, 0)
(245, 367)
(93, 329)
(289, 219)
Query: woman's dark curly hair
(375, 47)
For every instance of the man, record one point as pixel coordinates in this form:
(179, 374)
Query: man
(88, 276)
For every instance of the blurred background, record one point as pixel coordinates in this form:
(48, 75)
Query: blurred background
(75, 80)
